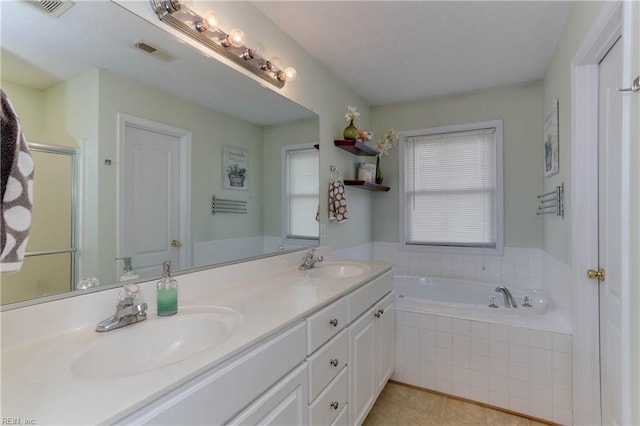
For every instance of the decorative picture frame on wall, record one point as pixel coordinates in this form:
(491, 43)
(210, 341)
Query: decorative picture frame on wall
(551, 135)
(235, 168)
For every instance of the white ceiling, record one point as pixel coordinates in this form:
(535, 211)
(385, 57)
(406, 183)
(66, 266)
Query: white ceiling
(386, 52)
(396, 51)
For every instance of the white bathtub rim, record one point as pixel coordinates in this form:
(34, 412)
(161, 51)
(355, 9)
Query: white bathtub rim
(551, 321)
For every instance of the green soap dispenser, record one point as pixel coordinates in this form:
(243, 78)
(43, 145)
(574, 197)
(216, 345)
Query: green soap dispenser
(167, 292)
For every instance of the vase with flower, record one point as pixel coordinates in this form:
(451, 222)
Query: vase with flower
(388, 141)
(351, 131)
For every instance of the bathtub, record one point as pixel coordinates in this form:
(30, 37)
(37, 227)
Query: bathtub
(466, 295)
(449, 340)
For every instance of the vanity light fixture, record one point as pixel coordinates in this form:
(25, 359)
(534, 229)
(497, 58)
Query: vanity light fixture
(206, 30)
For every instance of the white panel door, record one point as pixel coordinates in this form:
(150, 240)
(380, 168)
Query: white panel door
(150, 210)
(613, 363)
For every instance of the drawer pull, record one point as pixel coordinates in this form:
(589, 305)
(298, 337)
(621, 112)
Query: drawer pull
(377, 314)
(334, 362)
(334, 322)
(381, 310)
(335, 405)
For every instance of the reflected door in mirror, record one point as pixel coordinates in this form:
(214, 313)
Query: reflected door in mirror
(150, 195)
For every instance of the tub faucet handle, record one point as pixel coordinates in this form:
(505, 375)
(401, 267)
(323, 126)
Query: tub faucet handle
(526, 302)
(492, 302)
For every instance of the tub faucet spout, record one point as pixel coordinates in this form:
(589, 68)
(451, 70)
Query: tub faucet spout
(509, 301)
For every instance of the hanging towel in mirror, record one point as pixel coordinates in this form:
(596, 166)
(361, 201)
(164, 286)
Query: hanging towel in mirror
(337, 202)
(16, 194)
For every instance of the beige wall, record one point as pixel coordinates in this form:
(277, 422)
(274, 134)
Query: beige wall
(29, 104)
(520, 108)
(557, 85)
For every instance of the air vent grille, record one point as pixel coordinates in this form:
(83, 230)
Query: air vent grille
(154, 51)
(53, 8)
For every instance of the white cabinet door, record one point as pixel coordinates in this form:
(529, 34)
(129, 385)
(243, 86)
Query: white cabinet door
(363, 382)
(385, 338)
(371, 357)
(284, 404)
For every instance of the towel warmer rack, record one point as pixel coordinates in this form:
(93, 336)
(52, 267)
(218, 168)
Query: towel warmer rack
(552, 202)
(222, 205)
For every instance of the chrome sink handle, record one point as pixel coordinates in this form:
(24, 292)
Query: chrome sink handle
(310, 259)
(128, 311)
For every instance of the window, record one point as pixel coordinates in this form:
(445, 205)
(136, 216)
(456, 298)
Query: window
(452, 188)
(301, 195)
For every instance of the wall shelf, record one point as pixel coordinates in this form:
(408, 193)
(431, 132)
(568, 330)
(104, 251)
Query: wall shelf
(369, 186)
(356, 147)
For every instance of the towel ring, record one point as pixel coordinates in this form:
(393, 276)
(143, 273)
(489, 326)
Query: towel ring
(334, 173)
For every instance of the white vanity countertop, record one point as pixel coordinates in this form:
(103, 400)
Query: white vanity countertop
(41, 342)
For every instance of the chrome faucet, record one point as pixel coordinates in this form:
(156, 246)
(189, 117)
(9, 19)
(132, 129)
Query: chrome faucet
(509, 301)
(310, 259)
(127, 310)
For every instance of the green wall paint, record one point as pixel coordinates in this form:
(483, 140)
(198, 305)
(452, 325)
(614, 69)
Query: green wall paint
(520, 108)
(557, 85)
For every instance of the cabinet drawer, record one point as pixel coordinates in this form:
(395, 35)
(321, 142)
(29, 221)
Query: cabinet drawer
(285, 403)
(221, 393)
(325, 324)
(363, 298)
(334, 398)
(343, 417)
(327, 362)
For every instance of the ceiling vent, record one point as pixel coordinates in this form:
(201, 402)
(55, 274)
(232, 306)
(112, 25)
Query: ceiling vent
(53, 8)
(156, 52)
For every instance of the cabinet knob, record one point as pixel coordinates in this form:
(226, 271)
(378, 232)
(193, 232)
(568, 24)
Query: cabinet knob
(334, 322)
(381, 310)
(335, 405)
(334, 362)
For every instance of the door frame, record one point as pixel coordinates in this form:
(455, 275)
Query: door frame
(185, 180)
(584, 201)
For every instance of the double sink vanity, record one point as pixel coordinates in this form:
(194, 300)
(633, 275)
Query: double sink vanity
(256, 342)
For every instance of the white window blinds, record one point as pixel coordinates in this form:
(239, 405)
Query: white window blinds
(450, 188)
(302, 193)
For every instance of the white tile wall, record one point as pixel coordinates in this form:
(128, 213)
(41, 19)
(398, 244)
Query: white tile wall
(519, 267)
(516, 368)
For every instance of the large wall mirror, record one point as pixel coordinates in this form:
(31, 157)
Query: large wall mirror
(131, 147)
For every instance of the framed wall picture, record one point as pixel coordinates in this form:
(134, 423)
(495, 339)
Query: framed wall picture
(235, 168)
(551, 132)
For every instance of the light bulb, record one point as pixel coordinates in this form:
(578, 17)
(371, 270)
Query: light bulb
(212, 19)
(235, 37)
(290, 74)
(276, 63)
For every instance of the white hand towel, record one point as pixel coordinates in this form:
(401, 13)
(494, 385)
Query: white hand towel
(16, 195)
(337, 202)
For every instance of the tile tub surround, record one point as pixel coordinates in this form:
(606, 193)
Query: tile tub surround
(43, 387)
(520, 369)
(519, 267)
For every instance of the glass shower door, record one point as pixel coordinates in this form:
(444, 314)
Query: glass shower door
(50, 260)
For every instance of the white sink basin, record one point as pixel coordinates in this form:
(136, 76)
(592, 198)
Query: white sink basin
(155, 343)
(337, 270)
